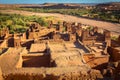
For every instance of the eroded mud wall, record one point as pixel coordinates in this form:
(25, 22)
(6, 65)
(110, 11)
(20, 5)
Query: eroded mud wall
(1, 78)
(91, 75)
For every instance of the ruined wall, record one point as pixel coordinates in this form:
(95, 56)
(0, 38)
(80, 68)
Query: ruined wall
(87, 39)
(67, 61)
(17, 42)
(36, 61)
(27, 44)
(1, 77)
(96, 62)
(79, 32)
(3, 44)
(119, 39)
(91, 75)
(87, 57)
(57, 37)
(31, 35)
(19, 63)
(72, 37)
(107, 36)
(10, 42)
(117, 76)
(118, 68)
(89, 42)
(114, 53)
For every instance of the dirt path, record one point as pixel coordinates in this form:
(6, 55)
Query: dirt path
(113, 27)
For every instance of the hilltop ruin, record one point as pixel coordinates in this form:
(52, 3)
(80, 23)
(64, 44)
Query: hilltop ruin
(62, 51)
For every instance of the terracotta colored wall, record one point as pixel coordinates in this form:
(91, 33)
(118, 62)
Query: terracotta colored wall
(1, 78)
(92, 75)
(96, 62)
(36, 61)
(116, 55)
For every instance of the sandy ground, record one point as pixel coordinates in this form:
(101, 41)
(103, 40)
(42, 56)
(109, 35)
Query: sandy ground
(113, 27)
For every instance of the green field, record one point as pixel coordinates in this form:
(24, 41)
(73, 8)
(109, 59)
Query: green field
(111, 16)
(18, 23)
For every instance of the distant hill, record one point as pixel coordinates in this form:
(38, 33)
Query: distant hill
(19, 5)
(58, 6)
(45, 5)
(105, 6)
(109, 6)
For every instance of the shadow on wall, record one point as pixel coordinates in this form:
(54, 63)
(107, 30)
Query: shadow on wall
(27, 44)
(36, 61)
(30, 77)
(3, 50)
(11, 42)
(101, 66)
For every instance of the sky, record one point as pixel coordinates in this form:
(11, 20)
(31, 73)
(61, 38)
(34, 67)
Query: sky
(53, 1)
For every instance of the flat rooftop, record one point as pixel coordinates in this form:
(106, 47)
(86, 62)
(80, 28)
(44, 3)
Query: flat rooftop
(37, 47)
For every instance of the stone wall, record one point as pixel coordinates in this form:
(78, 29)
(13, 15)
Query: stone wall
(1, 77)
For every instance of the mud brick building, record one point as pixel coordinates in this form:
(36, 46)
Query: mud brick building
(65, 52)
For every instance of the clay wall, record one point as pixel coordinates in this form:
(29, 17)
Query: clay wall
(68, 27)
(3, 44)
(114, 53)
(73, 29)
(56, 37)
(36, 61)
(34, 27)
(85, 35)
(10, 42)
(107, 36)
(1, 77)
(91, 75)
(36, 35)
(119, 39)
(87, 57)
(17, 42)
(64, 23)
(19, 63)
(65, 37)
(79, 31)
(59, 28)
(96, 62)
(4, 33)
(31, 35)
(88, 42)
(24, 36)
(95, 30)
(118, 68)
(50, 24)
(72, 37)
(27, 44)
(79, 25)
